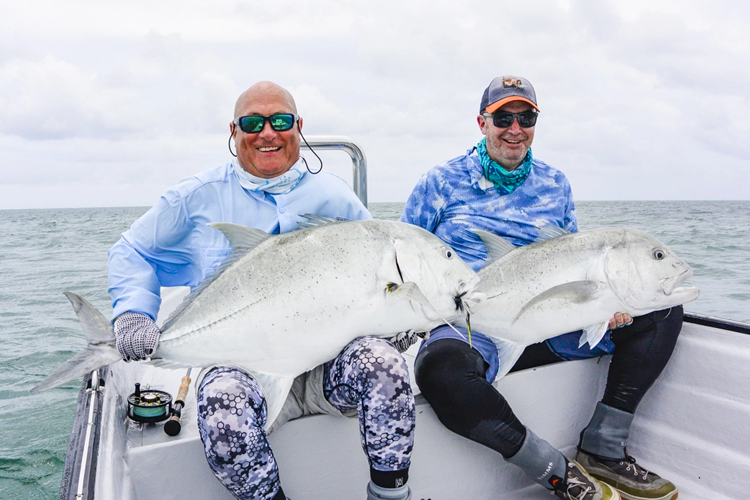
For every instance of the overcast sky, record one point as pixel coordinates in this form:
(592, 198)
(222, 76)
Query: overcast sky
(108, 103)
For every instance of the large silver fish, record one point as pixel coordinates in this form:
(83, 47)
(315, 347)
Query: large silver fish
(574, 281)
(284, 304)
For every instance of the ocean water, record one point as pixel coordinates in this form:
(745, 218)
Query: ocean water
(46, 252)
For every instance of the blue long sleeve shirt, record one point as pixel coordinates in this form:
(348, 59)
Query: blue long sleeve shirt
(454, 197)
(172, 245)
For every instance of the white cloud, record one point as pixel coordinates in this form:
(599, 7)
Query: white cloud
(640, 100)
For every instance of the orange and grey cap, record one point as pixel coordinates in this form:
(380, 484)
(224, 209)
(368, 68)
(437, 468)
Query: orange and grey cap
(505, 89)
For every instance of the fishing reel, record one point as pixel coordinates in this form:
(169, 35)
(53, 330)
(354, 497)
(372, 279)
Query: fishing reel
(149, 406)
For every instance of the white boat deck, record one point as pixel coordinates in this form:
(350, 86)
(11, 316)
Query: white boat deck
(693, 427)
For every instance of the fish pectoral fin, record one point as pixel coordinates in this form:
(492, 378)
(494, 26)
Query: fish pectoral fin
(276, 389)
(408, 291)
(575, 292)
(507, 354)
(593, 334)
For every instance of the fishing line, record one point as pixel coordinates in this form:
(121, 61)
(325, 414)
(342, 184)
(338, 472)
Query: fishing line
(149, 406)
(229, 142)
(313, 152)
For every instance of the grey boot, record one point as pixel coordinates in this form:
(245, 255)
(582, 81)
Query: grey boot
(603, 453)
(375, 492)
(607, 434)
(540, 460)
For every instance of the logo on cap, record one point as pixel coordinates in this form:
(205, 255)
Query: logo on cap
(512, 82)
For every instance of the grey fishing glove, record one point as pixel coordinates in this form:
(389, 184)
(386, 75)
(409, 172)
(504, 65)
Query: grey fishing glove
(136, 336)
(404, 340)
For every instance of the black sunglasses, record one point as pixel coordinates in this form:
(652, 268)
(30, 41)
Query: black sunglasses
(253, 124)
(503, 119)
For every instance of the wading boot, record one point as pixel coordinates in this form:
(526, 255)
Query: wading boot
(375, 492)
(602, 451)
(631, 480)
(579, 485)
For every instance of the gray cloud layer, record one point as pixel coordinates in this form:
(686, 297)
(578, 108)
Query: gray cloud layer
(110, 104)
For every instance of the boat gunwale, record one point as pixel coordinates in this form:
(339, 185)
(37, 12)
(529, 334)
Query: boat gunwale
(720, 323)
(78, 479)
(71, 477)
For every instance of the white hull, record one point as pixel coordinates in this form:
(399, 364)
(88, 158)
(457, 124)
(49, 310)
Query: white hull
(693, 427)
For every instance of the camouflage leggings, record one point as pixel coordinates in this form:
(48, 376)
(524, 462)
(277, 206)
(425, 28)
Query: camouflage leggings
(369, 375)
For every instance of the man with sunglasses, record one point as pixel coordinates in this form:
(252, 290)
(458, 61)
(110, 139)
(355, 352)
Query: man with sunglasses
(266, 186)
(498, 186)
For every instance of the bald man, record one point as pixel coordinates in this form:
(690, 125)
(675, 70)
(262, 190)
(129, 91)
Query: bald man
(266, 186)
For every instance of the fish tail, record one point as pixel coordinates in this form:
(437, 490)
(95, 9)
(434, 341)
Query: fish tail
(99, 352)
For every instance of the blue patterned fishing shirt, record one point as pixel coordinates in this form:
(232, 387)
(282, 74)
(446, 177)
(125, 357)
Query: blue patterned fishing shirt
(454, 197)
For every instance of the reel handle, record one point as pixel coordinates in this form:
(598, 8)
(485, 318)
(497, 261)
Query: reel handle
(172, 427)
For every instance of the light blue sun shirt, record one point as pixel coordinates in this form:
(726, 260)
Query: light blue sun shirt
(172, 245)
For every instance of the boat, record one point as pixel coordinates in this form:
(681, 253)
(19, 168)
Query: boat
(693, 426)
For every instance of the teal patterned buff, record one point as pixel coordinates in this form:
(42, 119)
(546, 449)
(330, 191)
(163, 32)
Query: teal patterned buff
(505, 182)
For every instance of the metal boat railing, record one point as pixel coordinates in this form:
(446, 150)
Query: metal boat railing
(355, 152)
(720, 323)
(79, 473)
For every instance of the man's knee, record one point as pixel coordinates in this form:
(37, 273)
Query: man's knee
(444, 366)
(377, 355)
(229, 398)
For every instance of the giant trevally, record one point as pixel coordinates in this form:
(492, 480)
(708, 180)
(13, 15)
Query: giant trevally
(284, 304)
(571, 282)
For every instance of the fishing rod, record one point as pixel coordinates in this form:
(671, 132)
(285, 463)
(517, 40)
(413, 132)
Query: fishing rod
(173, 426)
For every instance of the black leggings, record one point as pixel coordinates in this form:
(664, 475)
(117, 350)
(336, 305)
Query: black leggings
(451, 376)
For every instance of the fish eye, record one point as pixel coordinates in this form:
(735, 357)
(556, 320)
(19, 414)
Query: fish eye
(659, 254)
(448, 253)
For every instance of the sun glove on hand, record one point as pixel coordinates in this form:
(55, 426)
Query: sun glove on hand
(136, 336)
(402, 341)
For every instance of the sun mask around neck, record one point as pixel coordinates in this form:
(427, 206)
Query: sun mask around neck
(505, 182)
(281, 184)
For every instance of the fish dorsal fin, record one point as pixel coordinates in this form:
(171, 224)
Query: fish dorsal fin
(242, 238)
(593, 334)
(314, 220)
(575, 292)
(550, 231)
(496, 246)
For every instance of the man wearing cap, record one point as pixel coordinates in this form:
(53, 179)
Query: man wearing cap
(498, 186)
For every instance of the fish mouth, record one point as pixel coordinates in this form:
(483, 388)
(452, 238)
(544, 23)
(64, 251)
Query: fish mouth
(467, 298)
(398, 268)
(669, 285)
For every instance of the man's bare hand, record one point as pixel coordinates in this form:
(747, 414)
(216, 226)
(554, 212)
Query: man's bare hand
(620, 320)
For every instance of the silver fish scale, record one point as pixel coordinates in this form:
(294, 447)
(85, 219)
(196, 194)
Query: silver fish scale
(299, 290)
(574, 282)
